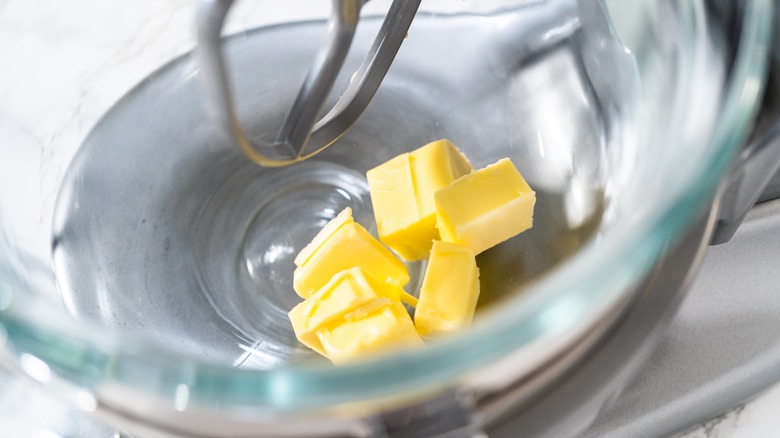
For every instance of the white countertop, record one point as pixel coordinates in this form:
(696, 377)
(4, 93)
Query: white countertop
(759, 418)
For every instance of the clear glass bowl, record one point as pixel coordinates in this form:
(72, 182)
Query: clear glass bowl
(141, 254)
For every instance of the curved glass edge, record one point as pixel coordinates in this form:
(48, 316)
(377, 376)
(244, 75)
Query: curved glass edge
(68, 354)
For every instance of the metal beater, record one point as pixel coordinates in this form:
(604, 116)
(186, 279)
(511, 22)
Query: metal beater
(302, 135)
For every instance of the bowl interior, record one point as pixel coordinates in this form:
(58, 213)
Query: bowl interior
(163, 229)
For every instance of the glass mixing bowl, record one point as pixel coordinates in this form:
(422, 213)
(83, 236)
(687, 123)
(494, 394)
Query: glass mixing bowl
(146, 264)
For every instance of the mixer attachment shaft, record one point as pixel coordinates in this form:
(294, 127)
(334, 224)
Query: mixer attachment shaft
(301, 135)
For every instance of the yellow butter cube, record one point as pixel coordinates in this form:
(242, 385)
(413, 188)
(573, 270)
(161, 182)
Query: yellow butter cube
(449, 291)
(345, 292)
(340, 245)
(384, 328)
(485, 207)
(402, 195)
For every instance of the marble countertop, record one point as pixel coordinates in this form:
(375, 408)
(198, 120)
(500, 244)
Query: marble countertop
(65, 63)
(755, 419)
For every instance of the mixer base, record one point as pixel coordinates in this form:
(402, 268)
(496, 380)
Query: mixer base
(722, 348)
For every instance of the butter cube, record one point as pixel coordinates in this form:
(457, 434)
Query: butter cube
(402, 195)
(345, 292)
(485, 207)
(383, 328)
(449, 291)
(340, 245)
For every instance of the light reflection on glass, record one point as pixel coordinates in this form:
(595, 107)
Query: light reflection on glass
(35, 368)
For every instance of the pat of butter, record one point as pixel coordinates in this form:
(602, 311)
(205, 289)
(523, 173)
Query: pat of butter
(449, 291)
(347, 291)
(402, 195)
(485, 207)
(386, 327)
(340, 245)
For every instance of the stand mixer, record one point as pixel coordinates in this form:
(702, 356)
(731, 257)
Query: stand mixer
(170, 240)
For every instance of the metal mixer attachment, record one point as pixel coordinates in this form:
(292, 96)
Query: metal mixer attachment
(301, 135)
